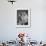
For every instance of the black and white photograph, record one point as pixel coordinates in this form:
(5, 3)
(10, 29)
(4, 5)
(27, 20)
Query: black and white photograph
(23, 17)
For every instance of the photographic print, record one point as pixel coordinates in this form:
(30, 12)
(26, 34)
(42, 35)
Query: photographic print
(23, 18)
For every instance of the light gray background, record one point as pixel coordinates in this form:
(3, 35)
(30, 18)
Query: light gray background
(8, 30)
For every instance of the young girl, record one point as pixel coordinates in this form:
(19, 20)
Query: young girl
(23, 18)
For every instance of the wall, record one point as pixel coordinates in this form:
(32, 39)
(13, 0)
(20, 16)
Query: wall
(8, 28)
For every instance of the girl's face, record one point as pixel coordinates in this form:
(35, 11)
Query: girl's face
(24, 17)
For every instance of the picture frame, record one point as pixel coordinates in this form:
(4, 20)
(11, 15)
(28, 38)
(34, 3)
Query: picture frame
(23, 17)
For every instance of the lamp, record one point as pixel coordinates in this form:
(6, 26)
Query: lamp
(12, 1)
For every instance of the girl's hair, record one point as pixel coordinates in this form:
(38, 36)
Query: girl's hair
(19, 14)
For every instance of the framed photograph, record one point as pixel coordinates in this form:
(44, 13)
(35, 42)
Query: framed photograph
(23, 17)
